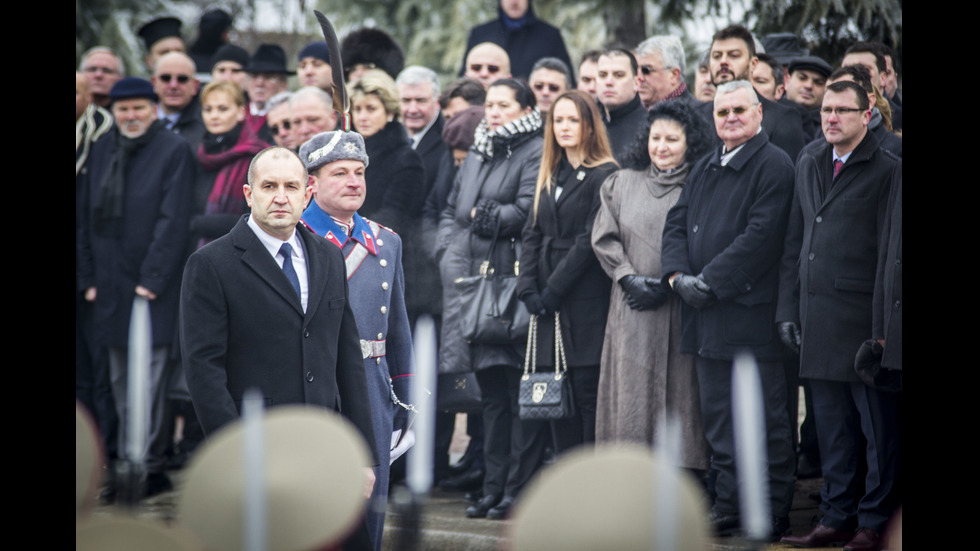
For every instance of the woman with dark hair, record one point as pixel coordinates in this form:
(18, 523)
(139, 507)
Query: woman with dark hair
(645, 379)
(559, 270)
(225, 153)
(490, 200)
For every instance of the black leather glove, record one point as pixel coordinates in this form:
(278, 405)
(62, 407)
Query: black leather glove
(532, 301)
(789, 333)
(694, 290)
(550, 300)
(643, 293)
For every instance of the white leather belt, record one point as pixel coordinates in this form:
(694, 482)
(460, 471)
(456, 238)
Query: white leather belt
(372, 349)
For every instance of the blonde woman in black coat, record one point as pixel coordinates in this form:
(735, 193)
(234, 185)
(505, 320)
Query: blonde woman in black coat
(559, 270)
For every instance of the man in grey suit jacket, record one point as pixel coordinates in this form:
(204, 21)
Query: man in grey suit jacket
(266, 306)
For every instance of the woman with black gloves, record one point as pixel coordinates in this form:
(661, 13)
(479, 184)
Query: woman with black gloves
(645, 379)
(491, 197)
(559, 270)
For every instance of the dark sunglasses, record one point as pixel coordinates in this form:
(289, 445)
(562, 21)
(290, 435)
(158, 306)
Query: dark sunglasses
(167, 77)
(648, 70)
(477, 67)
(841, 111)
(722, 113)
(275, 127)
(539, 86)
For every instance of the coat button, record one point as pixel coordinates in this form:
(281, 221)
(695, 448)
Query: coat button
(309, 376)
(384, 309)
(378, 361)
(380, 242)
(383, 263)
(381, 336)
(695, 228)
(306, 333)
(819, 219)
(384, 285)
(810, 256)
(898, 304)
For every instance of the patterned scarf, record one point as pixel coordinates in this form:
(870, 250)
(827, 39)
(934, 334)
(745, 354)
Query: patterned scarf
(503, 140)
(231, 163)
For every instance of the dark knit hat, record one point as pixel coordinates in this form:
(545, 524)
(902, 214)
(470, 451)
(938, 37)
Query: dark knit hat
(318, 50)
(133, 87)
(372, 47)
(268, 58)
(458, 131)
(327, 147)
(812, 63)
(230, 52)
(158, 29)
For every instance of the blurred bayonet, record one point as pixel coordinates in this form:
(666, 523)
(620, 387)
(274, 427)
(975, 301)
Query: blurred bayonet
(341, 103)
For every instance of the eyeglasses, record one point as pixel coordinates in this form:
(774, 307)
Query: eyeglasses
(275, 127)
(648, 70)
(167, 77)
(477, 67)
(723, 113)
(841, 111)
(539, 86)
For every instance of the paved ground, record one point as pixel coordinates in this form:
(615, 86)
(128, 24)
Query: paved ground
(446, 528)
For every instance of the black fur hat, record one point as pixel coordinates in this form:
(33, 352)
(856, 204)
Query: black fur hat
(372, 47)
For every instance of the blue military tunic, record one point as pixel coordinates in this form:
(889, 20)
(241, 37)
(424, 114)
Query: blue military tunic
(376, 283)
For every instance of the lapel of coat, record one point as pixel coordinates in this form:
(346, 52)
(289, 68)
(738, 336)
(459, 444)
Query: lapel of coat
(432, 138)
(852, 168)
(258, 259)
(317, 282)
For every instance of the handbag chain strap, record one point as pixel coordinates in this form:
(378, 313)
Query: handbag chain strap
(560, 361)
(531, 355)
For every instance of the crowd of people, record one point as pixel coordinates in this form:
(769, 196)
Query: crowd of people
(673, 228)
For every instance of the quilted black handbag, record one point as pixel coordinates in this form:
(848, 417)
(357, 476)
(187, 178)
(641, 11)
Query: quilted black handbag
(545, 396)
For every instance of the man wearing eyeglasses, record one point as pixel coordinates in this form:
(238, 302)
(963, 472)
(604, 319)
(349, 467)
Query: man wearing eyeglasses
(827, 279)
(550, 78)
(732, 57)
(487, 62)
(102, 68)
(722, 243)
(661, 60)
(179, 110)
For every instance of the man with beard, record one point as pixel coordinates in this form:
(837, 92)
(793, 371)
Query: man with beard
(732, 57)
(132, 231)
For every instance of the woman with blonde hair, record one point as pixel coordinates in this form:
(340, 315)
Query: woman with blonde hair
(225, 152)
(558, 269)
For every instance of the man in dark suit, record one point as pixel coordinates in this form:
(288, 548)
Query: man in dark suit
(132, 223)
(827, 279)
(266, 307)
(732, 57)
(721, 247)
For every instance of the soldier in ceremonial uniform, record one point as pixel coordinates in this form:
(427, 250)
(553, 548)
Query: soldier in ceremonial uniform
(373, 254)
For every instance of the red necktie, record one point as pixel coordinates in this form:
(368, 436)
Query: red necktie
(838, 164)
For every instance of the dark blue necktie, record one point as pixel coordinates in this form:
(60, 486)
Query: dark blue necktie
(287, 268)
